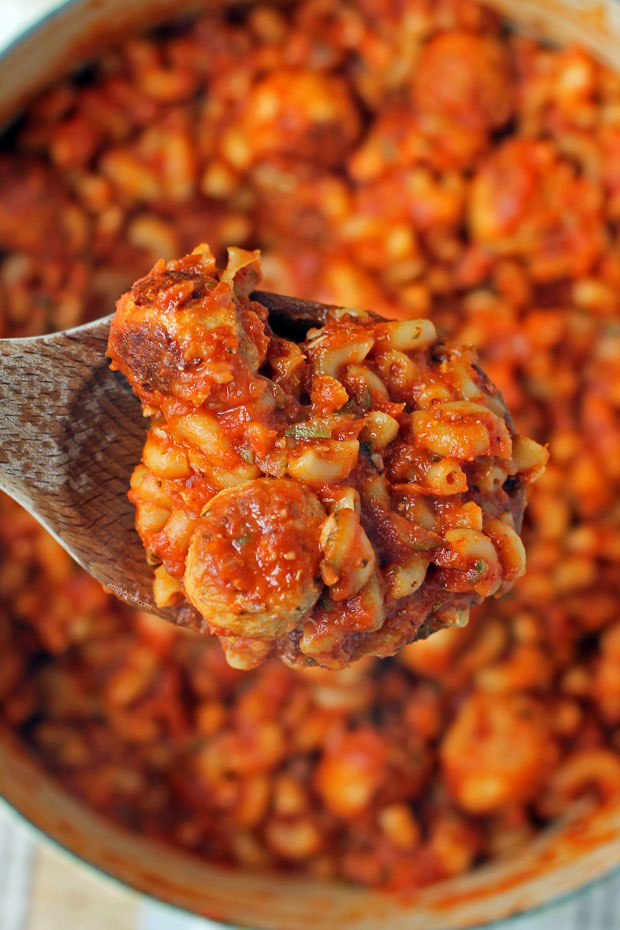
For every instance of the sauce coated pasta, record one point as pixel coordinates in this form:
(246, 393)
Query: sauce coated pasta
(489, 205)
(323, 500)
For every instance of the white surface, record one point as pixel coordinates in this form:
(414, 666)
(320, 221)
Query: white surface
(18, 15)
(16, 858)
(596, 909)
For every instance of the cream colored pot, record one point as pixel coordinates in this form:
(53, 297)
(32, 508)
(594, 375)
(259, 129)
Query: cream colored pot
(583, 848)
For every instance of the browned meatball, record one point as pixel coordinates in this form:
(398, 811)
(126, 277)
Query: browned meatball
(305, 115)
(182, 330)
(253, 562)
(497, 751)
(465, 77)
(402, 439)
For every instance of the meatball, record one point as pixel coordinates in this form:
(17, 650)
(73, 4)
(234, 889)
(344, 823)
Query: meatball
(181, 331)
(297, 114)
(35, 208)
(463, 91)
(498, 751)
(318, 500)
(465, 77)
(528, 202)
(253, 562)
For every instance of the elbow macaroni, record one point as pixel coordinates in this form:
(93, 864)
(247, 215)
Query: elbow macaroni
(489, 204)
(354, 428)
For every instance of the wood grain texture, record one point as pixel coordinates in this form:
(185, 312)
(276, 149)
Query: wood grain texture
(71, 432)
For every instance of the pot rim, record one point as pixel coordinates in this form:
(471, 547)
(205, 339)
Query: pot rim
(62, 9)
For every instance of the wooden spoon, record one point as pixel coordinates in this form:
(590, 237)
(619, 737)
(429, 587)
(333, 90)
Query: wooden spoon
(71, 433)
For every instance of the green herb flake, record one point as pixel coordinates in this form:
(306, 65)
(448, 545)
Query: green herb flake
(479, 567)
(348, 408)
(241, 541)
(425, 545)
(366, 399)
(247, 455)
(366, 448)
(312, 429)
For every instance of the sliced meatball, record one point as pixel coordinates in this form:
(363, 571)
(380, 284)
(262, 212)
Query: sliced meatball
(253, 562)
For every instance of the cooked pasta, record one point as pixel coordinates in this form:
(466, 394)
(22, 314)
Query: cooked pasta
(491, 211)
(268, 438)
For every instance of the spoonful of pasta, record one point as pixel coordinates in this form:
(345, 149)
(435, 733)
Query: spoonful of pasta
(313, 482)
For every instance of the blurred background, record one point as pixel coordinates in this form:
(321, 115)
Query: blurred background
(42, 889)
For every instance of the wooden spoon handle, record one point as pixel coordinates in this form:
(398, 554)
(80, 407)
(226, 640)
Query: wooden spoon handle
(39, 381)
(63, 409)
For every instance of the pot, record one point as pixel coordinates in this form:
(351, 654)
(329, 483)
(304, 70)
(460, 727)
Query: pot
(582, 848)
